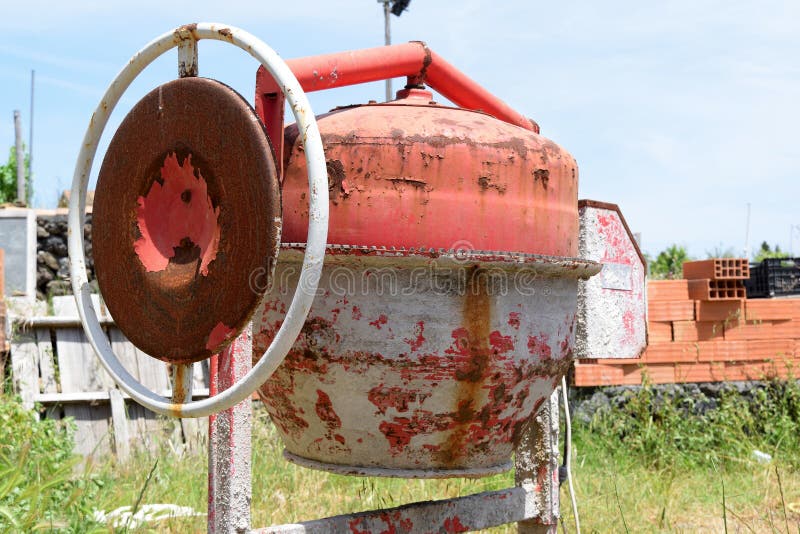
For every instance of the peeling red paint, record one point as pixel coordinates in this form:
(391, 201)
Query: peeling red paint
(539, 346)
(380, 321)
(176, 215)
(219, 334)
(354, 523)
(501, 343)
(454, 525)
(417, 342)
(325, 410)
(393, 397)
(356, 313)
(513, 320)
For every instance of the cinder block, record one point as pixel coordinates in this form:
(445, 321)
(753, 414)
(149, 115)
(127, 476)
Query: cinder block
(725, 311)
(670, 352)
(667, 290)
(716, 289)
(670, 310)
(660, 332)
(772, 309)
(697, 331)
(717, 269)
(722, 351)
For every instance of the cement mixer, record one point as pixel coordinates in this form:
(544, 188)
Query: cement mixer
(407, 272)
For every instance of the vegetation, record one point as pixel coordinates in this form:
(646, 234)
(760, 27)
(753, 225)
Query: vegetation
(669, 263)
(766, 252)
(8, 178)
(656, 462)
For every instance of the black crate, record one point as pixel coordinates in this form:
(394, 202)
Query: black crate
(774, 277)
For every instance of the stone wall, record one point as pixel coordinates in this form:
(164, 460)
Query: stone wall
(52, 261)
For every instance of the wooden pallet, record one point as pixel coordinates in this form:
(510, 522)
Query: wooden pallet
(54, 367)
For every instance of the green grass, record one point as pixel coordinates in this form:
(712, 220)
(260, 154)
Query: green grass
(647, 467)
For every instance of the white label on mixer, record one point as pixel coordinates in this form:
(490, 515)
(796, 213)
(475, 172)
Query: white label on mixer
(617, 276)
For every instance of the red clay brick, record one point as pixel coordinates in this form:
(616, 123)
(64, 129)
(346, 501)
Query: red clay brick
(659, 332)
(771, 309)
(667, 290)
(721, 351)
(736, 330)
(693, 372)
(670, 310)
(771, 349)
(716, 289)
(696, 331)
(725, 311)
(597, 375)
(670, 352)
(717, 269)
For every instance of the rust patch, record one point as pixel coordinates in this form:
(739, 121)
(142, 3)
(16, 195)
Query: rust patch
(542, 176)
(485, 182)
(226, 32)
(473, 343)
(336, 179)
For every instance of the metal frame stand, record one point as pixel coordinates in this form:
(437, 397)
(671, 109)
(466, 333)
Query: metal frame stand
(533, 502)
(229, 443)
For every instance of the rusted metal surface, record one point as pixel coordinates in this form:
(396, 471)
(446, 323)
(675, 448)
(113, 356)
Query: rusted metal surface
(612, 307)
(413, 60)
(413, 174)
(229, 443)
(417, 366)
(461, 514)
(187, 200)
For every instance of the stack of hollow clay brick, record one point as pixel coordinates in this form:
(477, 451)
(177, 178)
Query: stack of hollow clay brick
(702, 329)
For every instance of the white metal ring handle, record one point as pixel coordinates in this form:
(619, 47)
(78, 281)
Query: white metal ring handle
(317, 226)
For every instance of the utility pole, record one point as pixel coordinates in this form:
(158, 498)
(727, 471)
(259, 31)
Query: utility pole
(21, 197)
(30, 128)
(387, 41)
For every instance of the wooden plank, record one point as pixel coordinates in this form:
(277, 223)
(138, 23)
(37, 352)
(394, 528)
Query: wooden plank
(772, 309)
(670, 310)
(146, 428)
(25, 367)
(667, 290)
(80, 371)
(47, 369)
(120, 423)
(94, 397)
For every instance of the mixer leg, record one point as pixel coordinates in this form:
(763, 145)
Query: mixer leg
(229, 433)
(536, 464)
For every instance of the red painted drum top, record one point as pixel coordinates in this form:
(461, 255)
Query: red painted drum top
(186, 213)
(413, 174)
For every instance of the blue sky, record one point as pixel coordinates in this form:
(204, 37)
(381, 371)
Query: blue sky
(681, 112)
